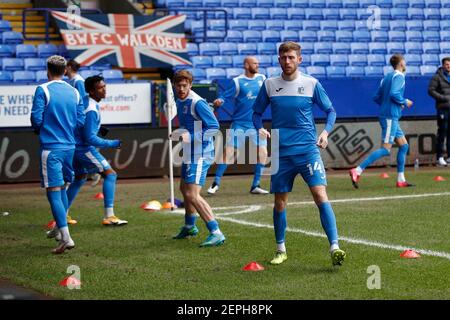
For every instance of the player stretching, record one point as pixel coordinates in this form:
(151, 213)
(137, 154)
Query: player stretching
(244, 90)
(390, 97)
(88, 160)
(56, 114)
(192, 110)
(291, 97)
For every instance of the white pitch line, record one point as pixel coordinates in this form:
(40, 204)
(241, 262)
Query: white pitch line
(375, 244)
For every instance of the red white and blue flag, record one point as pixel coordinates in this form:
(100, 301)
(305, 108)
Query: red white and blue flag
(124, 40)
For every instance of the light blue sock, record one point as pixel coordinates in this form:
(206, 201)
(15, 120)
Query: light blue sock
(328, 221)
(57, 206)
(64, 199)
(219, 173)
(109, 189)
(190, 219)
(212, 226)
(73, 190)
(279, 225)
(374, 156)
(401, 157)
(257, 177)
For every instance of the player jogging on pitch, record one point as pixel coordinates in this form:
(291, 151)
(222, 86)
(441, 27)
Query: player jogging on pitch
(291, 97)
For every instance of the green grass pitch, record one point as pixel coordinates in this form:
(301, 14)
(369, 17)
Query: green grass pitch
(141, 261)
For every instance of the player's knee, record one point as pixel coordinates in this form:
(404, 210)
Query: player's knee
(404, 147)
(386, 150)
(280, 204)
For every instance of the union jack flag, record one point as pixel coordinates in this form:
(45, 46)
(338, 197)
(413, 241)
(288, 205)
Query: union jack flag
(124, 40)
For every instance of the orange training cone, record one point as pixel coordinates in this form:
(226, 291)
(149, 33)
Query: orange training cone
(439, 178)
(99, 196)
(384, 175)
(253, 266)
(51, 224)
(70, 281)
(409, 254)
(168, 205)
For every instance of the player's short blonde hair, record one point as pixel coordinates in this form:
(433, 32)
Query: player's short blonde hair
(56, 65)
(288, 46)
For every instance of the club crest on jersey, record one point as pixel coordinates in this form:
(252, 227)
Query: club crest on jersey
(301, 90)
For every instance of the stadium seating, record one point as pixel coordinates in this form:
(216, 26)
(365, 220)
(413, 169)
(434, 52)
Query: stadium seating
(112, 75)
(24, 77)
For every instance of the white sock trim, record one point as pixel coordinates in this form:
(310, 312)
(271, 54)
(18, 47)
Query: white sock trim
(401, 177)
(281, 247)
(359, 170)
(109, 212)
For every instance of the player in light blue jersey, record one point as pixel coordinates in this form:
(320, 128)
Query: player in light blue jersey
(88, 160)
(292, 97)
(197, 123)
(56, 115)
(244, 90)
(390, 97)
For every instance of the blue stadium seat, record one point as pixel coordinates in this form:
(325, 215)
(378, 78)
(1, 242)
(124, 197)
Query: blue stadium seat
(427, 70)
(24, 76)
(445, 35)
(192, 49)
(238, 60)
(323, 48)
(12, 64)
(242, 13)
(234, 36)
(208, 49)
(247, 3)
(399, 13)
(395, 47)
(344, 36)
(400, 3)
(433, 4)
(271, 36)
(247, 48)
(307, 48)
(88, 73)
(335, 72)
(363, 13)
(326, 36)
(258, 25)
(334, 4)
(238, 24)
(276, 25)
(296, 13)
(275, 62)
(215, 73)
(293, 25)
(201, 61)
(264, 60)
(382, 25)
(6, 51)
(361, 36)
(7, 77)
(432, 14)
(278, 13)
(313, 14)
(317, 4)
(416, 14)
(359, 48)
(216, 24)
(306, 60)
(316, 71)
(311, 25)
(233, 72)
(265, 3)
(346, 25)
(193, 3)
(25, 51)
(260, 13)
(41, 76)
(377, 48)
(198, 74)
(387, 69)
(431, 25)
(413, 59)
(329, 25)
(112, 75)
(430, 59)
(307, 36)
(289, 35)
(211, 3)
(379, 36)
(357, 60)
(273, 71)
(230, 4)
(413, 48)
(339, 60)
(373, 71)
(414, 25)
(12, 37)
(361, 25)
(5, 25)
(341, 48)
(348, 14)
(417, 4)
(412, 36)
(35, 64)
(367, 3)
(46, 50)
(445, 13)
(399, 36)
(101, 67)
(331, 14)
(252, 36)
(442, 56)
(431, 36)
(445, 3)
(222, 62)
(413, 71)
(397, 25)
(282, 3)
(384, 3)
(300, 3)
(174, 3)
(262, 71)
(376, 60)
(266, 48)
(350, 3)
(354, 71)
(228, 48)
(197, 26)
